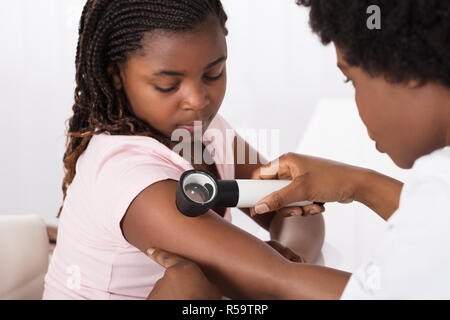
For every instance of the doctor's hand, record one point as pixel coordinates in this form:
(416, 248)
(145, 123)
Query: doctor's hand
(183, 279)
(313, 179)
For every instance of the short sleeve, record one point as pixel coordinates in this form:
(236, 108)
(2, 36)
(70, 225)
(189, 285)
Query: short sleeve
(124, 172)
(362, 283)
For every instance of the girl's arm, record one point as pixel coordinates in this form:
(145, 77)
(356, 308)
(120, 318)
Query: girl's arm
(303, 235)
(241, 265)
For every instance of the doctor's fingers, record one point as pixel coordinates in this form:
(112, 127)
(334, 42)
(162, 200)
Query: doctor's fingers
(296, 191)
(164, 258)
(291, 211)
(308, 210)
(313, 209)
(285, 167)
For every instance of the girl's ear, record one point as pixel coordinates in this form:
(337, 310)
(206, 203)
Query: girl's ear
(114, 74)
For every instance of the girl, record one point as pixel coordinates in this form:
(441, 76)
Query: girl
(145, 68)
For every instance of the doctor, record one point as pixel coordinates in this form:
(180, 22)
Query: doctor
(400, 68)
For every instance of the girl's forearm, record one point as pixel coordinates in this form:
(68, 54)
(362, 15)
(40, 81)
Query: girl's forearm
(305, 281)
(286, 281)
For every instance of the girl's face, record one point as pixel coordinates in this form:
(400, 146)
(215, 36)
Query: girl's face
(401, 118)
(177, 78)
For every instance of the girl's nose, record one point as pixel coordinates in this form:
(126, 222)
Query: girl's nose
(196, 98)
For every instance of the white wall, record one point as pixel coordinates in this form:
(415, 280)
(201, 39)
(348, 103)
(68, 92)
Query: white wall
(36, 91)
(278, 72)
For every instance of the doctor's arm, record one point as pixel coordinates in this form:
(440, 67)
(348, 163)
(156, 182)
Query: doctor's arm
(241, 265)
(303, 235)
(320, 180)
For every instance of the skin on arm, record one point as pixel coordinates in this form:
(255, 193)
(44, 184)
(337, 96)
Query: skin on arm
(240, 264)
(379, 192)
(322, 180)
(303, 235)
(183, 279)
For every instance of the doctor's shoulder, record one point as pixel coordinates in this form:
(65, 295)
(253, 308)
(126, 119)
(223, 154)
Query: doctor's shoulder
(426, 190)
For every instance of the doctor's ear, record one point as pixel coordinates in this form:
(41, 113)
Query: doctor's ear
(415, 83)
(114, 74)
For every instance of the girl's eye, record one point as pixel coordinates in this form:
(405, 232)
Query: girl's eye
(209, 78)
(166, 90)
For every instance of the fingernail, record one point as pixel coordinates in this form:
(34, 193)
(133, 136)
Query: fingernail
(150, 251)
(314, 211)
(262, 208)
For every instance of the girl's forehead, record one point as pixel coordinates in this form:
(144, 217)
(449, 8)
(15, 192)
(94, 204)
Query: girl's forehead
(179, 50)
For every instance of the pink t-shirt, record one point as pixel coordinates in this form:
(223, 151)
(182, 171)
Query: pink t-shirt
(92, 259)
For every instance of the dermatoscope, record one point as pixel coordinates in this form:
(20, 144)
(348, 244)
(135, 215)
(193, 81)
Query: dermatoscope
(199, 191)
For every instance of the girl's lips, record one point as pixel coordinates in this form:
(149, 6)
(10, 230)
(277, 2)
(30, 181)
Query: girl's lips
(196, 125)
(188, 128)
(192, 128)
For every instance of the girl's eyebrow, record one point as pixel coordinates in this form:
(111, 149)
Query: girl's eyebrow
(212, 64)
(168, 73)
(179, 74)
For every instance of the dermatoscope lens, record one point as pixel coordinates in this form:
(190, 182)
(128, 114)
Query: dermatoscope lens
(198, 193)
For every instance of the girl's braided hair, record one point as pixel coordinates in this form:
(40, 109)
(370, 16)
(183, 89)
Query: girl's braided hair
(108, 31)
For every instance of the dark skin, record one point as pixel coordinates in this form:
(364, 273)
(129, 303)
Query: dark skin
(390, 112)
(190, 68)
(175, 285)
(406, 120)
(169, 86)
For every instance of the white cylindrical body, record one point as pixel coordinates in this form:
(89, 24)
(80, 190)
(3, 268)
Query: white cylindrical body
(251, 191)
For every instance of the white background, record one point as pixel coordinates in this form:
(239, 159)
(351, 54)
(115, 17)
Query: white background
(278, 74)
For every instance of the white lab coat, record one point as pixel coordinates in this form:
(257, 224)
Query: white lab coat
(412, 260)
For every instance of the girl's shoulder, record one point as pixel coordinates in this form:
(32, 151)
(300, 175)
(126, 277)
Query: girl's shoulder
(106, 145)
(107, 141)
(125, 151)
(114, 154)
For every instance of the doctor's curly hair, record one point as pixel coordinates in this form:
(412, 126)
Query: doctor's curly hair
(109, 30)
(412, 44)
